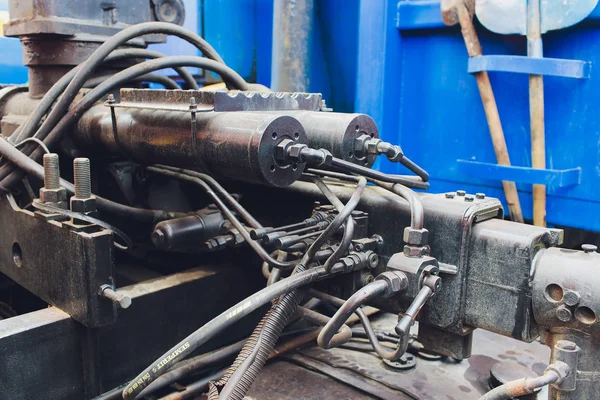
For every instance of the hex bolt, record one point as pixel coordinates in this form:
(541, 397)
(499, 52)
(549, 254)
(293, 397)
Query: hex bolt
(82, 176)
(571, 298)
(373, 260)
(110, 99)
(469, 198)
(121, 300)
(480, 196)
(589, 248)
(461, 193)
(449, 195)
(564, 314)
(51, 171)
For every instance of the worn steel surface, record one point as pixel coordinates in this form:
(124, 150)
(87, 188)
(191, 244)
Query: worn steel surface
(62, 266)
(42, 351)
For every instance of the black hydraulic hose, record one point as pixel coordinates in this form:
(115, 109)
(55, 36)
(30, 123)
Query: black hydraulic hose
(280, 313)
(194, 389)
(220, 323)
(233, 203)
(163, 80)
(186, 367)
(75, 113)
(85, 69)
(350, 306)
(262, 253)
(29, 127)
(33, 168)
(120, 54)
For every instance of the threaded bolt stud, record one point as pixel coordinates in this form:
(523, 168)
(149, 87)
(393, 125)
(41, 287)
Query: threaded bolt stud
(51, 171)
(82, 176)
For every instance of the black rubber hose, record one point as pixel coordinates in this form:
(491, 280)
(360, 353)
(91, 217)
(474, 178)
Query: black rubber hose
(186, 367)
(220, 323)
(85, 69)
(163, 80)
(28, 129)
(280, 313)
(33, 168)
(96, 94)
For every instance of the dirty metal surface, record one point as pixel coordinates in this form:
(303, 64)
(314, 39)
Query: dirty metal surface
(444, 378)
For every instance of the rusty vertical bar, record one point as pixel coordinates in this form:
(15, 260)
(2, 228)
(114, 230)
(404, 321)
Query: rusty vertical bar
(536, 110)
(292, 36)
(489, 105)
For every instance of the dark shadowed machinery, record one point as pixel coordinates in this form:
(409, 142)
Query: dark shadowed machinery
(190, 242)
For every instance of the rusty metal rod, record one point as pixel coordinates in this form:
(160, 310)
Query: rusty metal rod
(458, 12)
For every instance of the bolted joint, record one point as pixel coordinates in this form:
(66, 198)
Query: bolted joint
(283, 149)
(416, 237)
(360, 144)
(57, 197)
(433, 282)
(564, 314)
(396, 281)
(416, 251)
(559, 368)
(84, 206)
(119, 299)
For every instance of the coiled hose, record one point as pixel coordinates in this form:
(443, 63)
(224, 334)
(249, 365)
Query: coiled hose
(268, 331)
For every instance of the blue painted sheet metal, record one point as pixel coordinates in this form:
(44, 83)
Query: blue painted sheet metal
(553, 179)
(414, 81)
(535, 66)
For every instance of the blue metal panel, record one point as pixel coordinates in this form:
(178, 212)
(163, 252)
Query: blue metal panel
(552, 178)
(11, 65)
(528, 65)
(416, 86)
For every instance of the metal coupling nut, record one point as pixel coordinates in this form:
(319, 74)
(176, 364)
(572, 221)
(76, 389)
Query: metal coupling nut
(416, 237)
(372, 146)
(416, 251)
(559, 368)
(396, 281)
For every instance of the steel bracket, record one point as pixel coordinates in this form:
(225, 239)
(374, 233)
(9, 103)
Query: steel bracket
(533, 66)
(552, 178)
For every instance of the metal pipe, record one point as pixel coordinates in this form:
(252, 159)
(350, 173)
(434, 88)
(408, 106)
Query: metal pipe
(292, 44)
(521, 387)
(359, 298)
(340, 337)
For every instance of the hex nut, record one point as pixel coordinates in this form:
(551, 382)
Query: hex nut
(396, 281)
(461, 193)
(480, 196)
(53, 195)
(360, 143)
(416, 251)
(398, 154)
(83, 205)
(417, 237)
(281, 150)
(372, 146)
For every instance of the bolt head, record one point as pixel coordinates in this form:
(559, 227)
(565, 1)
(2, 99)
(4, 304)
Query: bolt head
(83, 205)
(566, 345)
(449, 195)
(564, 314)
(417, 237)
(480, 196)
(571, 298)
(461, 193)
(281, 150)
(469, 198)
